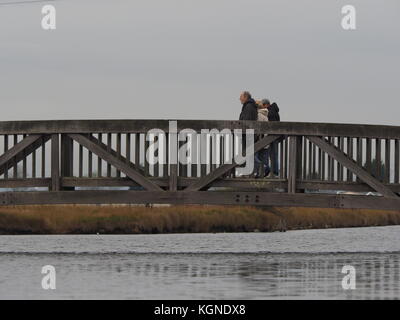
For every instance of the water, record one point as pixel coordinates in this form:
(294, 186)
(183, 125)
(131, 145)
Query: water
(293, 265)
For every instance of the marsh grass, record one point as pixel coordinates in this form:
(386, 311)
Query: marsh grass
(89, 219)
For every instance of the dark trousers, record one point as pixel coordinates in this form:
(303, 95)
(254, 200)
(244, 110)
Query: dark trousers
(272, 152)
(263, 158)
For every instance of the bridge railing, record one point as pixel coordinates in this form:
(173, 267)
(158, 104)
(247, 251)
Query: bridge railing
(69, 155)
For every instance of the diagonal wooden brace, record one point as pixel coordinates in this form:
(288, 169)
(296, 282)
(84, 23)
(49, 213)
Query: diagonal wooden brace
(21, 150)
(217, 173)
(350, 164)
(119, 163)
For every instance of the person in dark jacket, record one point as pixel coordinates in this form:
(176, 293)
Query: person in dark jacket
(249, 109)
(249, 112)
(273, 111)
(272, 154)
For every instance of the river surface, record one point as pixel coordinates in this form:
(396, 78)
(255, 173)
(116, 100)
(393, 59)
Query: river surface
(304, 264)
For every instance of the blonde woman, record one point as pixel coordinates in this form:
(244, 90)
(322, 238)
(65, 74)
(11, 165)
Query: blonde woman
(261, 157)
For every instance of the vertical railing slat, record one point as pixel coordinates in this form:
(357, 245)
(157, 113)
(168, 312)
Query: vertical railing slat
(292, 164)
(80, 161)
(181, 167)
(340, 167)
(378, 159)
(203, 155)
(397, 161)
(387, 161)
(24, 162)
(156, 165)
(109, 147)
(166, 156)
(118, 151)
(314, 161)
(195, 155)
(309, 175)
(99, 160)
(90, 162)
(330, 162)
(15, 164)
(43, 158)
(359, 154)
(137, 151)
(34, 164)
(128, 148)
(368, 159)
(173, 158)
(286, 157)
(146, 163)
(5, 150)
(323, 165)
(281, 159)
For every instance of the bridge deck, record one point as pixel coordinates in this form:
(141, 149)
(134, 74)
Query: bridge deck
(111, 161)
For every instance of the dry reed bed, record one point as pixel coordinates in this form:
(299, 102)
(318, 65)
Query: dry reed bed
(89, 219)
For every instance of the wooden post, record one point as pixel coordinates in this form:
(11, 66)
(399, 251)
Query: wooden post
(55, 163)
(67, 158)
(292, 164)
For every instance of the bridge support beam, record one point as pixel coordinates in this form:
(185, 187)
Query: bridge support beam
(201, 197)
(358, 170)
(120, 163)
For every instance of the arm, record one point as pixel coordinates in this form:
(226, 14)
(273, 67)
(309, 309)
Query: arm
(246, 113)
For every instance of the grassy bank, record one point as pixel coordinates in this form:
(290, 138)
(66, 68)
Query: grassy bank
(78, 219)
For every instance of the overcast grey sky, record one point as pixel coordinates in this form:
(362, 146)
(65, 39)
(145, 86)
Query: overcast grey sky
(189, 59)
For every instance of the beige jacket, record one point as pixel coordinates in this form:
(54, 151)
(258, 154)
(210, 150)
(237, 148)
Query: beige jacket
(262, 114)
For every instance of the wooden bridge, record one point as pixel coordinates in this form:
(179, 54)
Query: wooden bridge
(104, 162)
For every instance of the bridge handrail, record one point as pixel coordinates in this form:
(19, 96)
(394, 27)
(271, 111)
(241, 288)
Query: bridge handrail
(142, 126)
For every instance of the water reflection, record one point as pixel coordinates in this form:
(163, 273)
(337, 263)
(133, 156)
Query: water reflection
(203, 276)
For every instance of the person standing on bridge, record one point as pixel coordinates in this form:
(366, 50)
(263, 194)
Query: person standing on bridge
(272, 151)
(249, 109)
(249, 112)
(261, 160)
